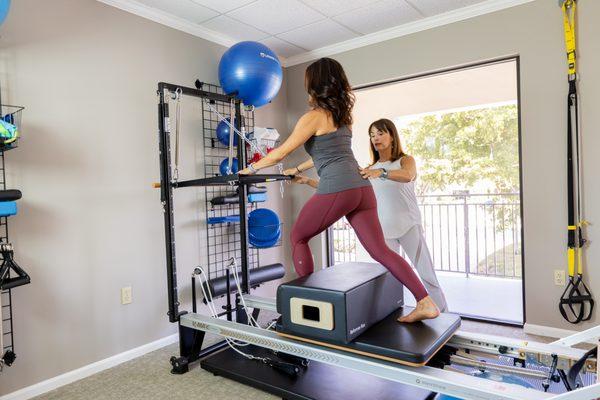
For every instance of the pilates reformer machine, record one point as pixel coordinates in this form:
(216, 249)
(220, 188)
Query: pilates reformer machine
(335, 333)
(427, 356)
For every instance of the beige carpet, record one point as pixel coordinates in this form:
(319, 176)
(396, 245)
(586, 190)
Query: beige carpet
(149, 377)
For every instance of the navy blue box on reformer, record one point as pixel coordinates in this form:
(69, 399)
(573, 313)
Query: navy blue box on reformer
(338, 303)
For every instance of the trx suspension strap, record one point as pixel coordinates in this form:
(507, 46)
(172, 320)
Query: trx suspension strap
(576, 303)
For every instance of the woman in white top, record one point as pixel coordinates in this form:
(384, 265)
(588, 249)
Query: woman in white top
(393, 175)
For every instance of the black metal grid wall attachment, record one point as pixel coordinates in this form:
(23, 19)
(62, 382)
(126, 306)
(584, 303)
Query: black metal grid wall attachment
(226, 239)
(12, 115)
(223, 239)
(6, 295)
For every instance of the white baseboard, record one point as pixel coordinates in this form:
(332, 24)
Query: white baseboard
(88, 370)
(547, 331)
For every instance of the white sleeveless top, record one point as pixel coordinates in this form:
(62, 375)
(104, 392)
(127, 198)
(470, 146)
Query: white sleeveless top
(397, 205)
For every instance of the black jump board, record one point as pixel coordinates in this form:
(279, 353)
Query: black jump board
(317, 382)
(412, 343)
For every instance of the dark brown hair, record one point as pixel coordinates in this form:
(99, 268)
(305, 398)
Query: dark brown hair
(385, 125)
(329, 89)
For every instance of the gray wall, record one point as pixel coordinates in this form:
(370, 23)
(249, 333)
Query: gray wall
(533, 31)
(89, 222)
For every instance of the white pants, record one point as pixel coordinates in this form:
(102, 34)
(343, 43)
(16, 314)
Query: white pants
(414, 245)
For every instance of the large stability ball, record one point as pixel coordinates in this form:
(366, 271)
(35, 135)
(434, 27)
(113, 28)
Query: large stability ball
(4, 6)
(252, 71)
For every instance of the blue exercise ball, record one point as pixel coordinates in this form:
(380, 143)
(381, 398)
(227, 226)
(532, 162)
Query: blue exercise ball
(224, 166)
(4, 6)
(223, 131)
(252, 71)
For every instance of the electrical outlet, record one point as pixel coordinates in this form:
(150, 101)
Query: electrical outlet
(559, 277)
(126, 297)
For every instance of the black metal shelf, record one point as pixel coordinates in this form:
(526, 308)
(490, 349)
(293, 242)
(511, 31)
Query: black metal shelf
(213, 95)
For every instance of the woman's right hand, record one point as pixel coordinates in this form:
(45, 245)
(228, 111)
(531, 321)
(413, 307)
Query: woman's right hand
(290, 171)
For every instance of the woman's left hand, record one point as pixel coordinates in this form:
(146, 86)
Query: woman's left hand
(370, 173)
(291, 172)
(245, 171)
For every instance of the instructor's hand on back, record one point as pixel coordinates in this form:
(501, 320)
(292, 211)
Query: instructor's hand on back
(367, 173)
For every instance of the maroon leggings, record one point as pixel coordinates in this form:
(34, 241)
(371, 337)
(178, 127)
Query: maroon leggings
(359, 206)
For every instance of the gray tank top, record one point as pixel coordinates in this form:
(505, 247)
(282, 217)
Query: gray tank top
(335, 163)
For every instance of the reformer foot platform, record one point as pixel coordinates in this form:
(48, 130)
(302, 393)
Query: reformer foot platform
(353, 307)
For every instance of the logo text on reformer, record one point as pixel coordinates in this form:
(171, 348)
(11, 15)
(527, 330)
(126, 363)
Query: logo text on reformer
(358, 328)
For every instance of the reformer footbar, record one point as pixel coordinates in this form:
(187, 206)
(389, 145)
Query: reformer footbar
(576, 302)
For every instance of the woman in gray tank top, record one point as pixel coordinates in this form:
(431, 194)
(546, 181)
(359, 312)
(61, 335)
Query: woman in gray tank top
(325, 131)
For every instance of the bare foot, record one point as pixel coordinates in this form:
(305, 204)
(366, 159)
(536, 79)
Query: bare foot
(425, 309)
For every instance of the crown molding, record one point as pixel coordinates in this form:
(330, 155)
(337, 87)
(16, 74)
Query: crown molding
(169, 20)
(450, 17)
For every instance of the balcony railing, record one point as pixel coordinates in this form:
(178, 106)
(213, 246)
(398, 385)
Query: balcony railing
(472, 234)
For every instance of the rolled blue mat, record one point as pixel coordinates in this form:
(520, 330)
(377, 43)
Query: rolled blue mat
(222, 220)
(8, 208)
